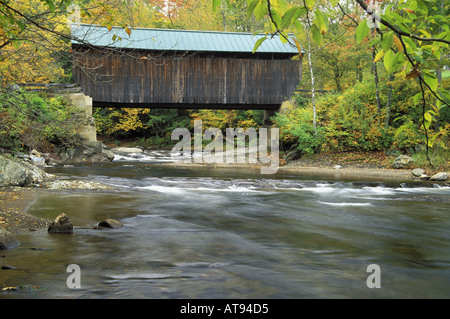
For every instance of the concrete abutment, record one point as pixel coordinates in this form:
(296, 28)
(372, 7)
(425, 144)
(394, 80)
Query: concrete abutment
(82, 102)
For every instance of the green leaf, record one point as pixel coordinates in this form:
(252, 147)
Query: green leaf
(276, 17)
(392, 61)
(251, 8)
(283, 38)
(422, 7)
(316, 34)
(298, 26)
(410, 43)
(387, 41)
(388, 61)
(282, 4)
(258, 43)
(431, 80)
(428, 118)
(402, 128)
(216, 4)
(417, 97)
(321, 21)
(260, 10)
(362, 31)
(310, 4)
(290, 15)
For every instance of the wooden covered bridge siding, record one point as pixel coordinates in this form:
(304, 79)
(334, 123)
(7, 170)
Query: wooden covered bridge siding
(123, 77)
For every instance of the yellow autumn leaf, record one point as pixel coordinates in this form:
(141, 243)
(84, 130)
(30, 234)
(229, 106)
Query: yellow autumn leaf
(398, 43)
(299, 48)
(379, 55)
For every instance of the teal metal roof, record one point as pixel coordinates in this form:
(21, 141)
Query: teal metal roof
(177, 40)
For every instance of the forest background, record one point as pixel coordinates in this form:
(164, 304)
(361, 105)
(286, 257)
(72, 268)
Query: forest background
(384, 92)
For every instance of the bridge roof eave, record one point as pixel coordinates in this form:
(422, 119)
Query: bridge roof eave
(168, 40)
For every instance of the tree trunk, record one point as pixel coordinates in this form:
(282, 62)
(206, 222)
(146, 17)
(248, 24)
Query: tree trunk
(313, 95)
(439, 78)
(337, 78)
(389, 103)
(375, 74)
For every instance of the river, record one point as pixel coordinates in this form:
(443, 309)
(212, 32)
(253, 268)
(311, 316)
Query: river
(233, 233)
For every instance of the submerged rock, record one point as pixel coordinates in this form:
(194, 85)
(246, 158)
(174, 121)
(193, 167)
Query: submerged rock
(7, 240)
(61, 225)
(110, 223)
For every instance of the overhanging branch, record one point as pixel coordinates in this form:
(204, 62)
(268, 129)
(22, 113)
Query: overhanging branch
(397, 30)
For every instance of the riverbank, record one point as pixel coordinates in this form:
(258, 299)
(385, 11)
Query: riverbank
(14, 204)
(356, 166)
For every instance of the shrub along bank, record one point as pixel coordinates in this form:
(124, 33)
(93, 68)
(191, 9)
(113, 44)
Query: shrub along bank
(350, 121)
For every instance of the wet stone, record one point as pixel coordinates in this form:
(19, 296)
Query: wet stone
(61, 225)
(110, 223)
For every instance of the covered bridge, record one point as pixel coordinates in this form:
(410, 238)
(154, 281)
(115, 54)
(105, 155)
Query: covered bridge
(160, 68)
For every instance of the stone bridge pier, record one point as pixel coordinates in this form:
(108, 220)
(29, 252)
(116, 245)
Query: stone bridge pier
(87, 149)
(82, 102)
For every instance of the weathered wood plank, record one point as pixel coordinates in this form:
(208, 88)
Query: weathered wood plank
(128, 79)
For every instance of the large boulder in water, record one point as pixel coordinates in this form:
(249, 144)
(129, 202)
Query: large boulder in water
(61, 225)
(84, 152)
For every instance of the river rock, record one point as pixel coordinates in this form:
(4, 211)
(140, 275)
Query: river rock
(14, 172)
(83, 152)
(35, 153)
(417, 172)
(441, 176)
(110, 223)
(38, 161)
(61, 225)
(5, 267)
(402, 161)
(7, 240)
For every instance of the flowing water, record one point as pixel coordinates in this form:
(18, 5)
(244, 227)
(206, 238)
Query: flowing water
(233, 233)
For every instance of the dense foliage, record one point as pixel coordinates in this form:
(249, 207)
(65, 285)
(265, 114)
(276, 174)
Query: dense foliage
(388, 70)
(34, 121)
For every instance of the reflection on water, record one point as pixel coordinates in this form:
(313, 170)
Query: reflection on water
(235, 234)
